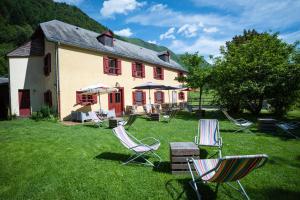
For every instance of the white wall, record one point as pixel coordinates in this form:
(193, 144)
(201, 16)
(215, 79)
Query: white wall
(26, 73)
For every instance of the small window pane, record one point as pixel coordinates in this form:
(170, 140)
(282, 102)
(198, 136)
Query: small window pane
(117, 97)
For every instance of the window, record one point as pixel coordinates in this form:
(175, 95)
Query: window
(47, 64)
(48, 98)
(139, 97)
(180, 74)
(111, 66)
(181, 96)
(159, 97)
(138, 70)
(158, 73)
(86, 99)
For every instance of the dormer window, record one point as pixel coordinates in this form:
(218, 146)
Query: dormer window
(165, 56)
(106, 38)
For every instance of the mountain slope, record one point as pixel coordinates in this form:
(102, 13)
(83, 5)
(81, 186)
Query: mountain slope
(19, 18)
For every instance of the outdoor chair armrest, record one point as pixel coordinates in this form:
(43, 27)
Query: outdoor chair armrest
(147, 138)
(242, 120)
(220, 141)
(196, 139)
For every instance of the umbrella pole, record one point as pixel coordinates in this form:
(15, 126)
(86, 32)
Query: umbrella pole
(169, 96)
(149, 97)
(99, 101)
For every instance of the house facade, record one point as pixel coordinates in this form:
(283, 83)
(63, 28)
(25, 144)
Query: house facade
(61, 59)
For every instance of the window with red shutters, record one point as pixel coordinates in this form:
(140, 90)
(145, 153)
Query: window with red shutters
(85, 99)
(158, 73)
(159, 97)
(112, 66)
(181, 96)
(48, 98)
(47, 64)
(138, 70)
(138, 97)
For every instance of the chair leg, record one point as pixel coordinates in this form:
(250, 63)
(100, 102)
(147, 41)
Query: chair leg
(193, 181)
(243, 190)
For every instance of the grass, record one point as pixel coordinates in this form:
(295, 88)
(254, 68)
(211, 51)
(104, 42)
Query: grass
(47, 160)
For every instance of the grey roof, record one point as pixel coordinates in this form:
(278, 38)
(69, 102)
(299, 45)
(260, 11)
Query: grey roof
(32, 48)
(3, 81)
(68, 34)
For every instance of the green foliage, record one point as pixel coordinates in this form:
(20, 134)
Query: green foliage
(19, 18)
(199, 73)
(45, 113)
(257, 66)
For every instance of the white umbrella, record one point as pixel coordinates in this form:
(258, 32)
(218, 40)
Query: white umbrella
(149, 85)
(98, 89)
(170, 88)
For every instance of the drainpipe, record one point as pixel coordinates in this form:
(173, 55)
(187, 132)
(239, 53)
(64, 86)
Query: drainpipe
(57, 80)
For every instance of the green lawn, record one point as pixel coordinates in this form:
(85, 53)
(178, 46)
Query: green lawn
(47, 160)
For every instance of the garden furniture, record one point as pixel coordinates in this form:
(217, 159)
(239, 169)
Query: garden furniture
(138, 147)
(169, 117)
(288, 127)
(209, 135)
(243, 124)
(131, 119)
(225, 170)
(267, 124)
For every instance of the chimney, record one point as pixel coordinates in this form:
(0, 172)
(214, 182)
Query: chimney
(106, 38)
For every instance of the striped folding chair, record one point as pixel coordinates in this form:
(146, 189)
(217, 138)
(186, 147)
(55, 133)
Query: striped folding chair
(139, 148)
(225, 170)
(131, 119)
(209, 134)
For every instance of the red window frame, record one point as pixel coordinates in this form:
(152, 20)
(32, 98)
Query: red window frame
(162, 97)
(158, 75)
(181, 96)
(134, 99)
(85, 99)
(110, 68)
(47, 64)
(138, 73)
(48, 98)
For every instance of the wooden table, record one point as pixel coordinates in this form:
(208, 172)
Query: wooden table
(154, 116)
(179, 152)
(267, 124)
(113, 122)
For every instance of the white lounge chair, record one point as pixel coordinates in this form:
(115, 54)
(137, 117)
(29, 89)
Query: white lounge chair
(209, 134)
(139, 148)
(243, 124)
(131, 119)
(169, 117)
(95, 119)
(288, 127)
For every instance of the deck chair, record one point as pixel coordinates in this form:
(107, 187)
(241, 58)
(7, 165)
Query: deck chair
(131, 119)
(209, 134)
(243, 124)
(139, 148)
(147, 109)
(95, 119)
(169, 117)
(288, 127)
(111, 113)
(225, 170)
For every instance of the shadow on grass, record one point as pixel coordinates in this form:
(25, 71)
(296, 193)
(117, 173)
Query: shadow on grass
(275, 160)
(273, 193)
(117, 157)
(162, 167)
(205, 191)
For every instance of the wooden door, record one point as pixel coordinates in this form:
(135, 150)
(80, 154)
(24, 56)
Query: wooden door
(24, 103)
(116, 101)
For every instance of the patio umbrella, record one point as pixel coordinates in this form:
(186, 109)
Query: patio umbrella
(149, 86)
(170, 88)
(98, 89)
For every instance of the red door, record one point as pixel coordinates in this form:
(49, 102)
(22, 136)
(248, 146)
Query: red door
(116, 101)
(24, 103)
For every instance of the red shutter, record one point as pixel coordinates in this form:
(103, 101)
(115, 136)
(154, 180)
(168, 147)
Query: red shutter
(162, 73)
(45, 98)
(154, 72)
(105, 65)
(119, 67)
(143, 71)
(49, 63)
(50, 98)
(162, 97)
(155, 97)
(78, 97)
(94, 96)
(144, 98)
(133, 69)
(133, 98)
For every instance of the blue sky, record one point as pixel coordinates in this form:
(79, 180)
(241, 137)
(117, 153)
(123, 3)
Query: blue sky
(194, 25)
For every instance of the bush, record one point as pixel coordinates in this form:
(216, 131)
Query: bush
(45, 113)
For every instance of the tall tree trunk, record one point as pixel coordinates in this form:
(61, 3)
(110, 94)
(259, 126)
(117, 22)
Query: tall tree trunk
(200, 101)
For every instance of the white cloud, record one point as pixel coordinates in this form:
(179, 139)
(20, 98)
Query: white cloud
(124, 32)
(168, 35)
(71, 2)
(211, 30)
(290, 37)
(112, 7)
(188, 30)
(152, 41)
(204, 45)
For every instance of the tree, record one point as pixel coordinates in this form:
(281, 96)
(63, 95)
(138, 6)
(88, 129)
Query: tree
(254, 67)
(198, 72)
